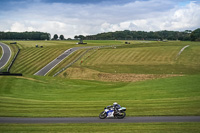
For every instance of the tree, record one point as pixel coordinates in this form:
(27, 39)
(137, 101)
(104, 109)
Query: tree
(44, 37)
(76, 37)
(55, 37)
(61, 37)
(195, 35)
(81, 37)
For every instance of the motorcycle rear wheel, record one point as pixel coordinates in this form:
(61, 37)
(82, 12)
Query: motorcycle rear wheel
(102, 115)
(121, 115)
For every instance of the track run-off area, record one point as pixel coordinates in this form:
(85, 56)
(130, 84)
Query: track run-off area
(148, 119)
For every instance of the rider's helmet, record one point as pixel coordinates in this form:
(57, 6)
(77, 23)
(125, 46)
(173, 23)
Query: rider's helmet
(115, 103)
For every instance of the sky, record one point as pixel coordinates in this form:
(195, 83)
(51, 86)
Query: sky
(89, 17)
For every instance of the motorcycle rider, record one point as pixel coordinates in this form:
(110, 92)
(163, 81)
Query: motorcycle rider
(116, 106)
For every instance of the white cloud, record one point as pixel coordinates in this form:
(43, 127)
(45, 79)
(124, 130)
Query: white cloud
(18, 27)
(179, 18)
(70, 20)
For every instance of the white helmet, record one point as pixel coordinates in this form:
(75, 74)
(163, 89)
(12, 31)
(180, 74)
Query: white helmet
(114, 103)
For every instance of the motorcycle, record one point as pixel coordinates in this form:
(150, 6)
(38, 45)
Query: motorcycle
(109, 113)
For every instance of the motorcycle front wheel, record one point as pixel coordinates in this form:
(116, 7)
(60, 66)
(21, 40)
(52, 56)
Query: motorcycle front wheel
(102, 115)
(121, 115)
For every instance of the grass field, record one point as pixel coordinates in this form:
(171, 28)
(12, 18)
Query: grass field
(164, 85)
(150, 60)
(137, 58)
(65, 44)
(54, 97)
(103, 128)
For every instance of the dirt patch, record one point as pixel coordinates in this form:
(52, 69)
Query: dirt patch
(88, 74)
(131, 77)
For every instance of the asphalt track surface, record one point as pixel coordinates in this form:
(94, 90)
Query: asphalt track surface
(6, 54)
(51, 65)
(97, 120)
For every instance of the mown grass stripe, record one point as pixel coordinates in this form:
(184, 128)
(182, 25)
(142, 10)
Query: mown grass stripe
(27, 62)
(41, 58)
(44, 62)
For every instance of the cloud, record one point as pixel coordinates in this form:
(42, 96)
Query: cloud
(177, 18)
(74, 19)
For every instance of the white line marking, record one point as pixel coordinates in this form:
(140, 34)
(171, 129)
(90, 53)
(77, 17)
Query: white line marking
(181, 51)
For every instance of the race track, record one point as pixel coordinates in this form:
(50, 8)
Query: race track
(51, 65)
(97, 120)
(6, 54)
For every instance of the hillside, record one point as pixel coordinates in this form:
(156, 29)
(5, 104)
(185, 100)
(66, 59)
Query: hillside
(139, 60)
(152, 60)
(82, 90)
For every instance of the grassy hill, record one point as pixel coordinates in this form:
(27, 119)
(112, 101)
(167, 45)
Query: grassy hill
(39, 96)
(168, 85)
(153, 59)
(136, 58)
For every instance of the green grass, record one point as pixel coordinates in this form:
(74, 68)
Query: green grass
(31, 60)
(103, 128)
(138, 57)
(151, 58)
(55, 97)
(64, 44)
(36, 96)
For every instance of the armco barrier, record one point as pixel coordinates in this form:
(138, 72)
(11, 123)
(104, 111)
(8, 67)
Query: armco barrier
(10, 74)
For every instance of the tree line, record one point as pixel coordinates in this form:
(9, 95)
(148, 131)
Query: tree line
(25, 36)
(186, 35)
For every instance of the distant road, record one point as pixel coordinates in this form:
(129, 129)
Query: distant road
(6, 54)
(97, 120)
(51, 65)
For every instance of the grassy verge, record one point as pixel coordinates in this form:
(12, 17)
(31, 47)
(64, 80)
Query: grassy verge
(103, 128)
(54, 97)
